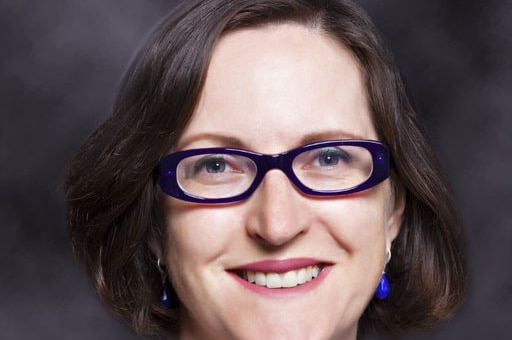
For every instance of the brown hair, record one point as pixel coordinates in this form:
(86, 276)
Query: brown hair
(113, 198)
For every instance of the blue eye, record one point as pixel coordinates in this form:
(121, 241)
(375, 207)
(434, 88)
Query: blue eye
(211, 165)
(332, 156)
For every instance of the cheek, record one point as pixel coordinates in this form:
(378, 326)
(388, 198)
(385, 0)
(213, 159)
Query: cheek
(357, 223)
(197, 234)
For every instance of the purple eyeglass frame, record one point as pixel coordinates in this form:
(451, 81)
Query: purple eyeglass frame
(264, 163)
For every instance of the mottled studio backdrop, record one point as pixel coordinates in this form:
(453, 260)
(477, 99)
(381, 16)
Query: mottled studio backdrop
(60, 65)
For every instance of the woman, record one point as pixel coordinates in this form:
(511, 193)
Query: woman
(263, 175)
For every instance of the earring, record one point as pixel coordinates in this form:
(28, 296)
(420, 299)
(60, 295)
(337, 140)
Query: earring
(382, 291)
(165, 299)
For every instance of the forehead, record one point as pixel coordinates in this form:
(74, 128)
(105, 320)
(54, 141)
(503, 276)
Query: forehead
(281, 83)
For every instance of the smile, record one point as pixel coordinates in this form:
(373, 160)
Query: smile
(288, 279)
(281, 278)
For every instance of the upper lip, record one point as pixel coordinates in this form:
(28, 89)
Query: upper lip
(279, 266)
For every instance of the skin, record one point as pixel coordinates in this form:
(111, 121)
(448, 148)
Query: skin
(270, 90)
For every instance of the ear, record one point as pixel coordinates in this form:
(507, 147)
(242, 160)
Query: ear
(156, 244)
(157, 238)
(156, 249)
(396, 211)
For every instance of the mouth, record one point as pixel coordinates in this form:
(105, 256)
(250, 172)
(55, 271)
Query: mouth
(278, 274)
(289, 279)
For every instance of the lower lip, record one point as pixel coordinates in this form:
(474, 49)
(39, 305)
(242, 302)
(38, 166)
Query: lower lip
(284, 292)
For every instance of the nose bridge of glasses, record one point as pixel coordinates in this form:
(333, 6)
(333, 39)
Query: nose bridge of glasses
(274, 161)
(277, 161)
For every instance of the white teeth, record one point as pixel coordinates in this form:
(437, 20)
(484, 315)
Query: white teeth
(273, 280)
(251, 277)
(309, 273)
(260, 279)
(289, 279)
(301, 276)
(315, 271)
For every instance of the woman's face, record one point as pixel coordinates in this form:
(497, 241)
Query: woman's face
(270, 90)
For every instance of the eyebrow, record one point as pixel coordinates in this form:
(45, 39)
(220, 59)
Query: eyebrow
(328, 135)
(222, 140)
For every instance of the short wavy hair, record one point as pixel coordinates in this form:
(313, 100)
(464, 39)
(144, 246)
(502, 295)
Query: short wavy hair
(114, 209)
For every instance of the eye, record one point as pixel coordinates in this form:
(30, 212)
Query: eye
(211, 164)
(332, 157)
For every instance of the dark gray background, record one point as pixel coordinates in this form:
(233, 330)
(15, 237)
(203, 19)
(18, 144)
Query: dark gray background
(61, 62)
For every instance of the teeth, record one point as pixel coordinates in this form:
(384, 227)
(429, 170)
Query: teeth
(260, 279)
(301, 276)
(289, 279)
(315, 271)
(273, 280)
(251, 277)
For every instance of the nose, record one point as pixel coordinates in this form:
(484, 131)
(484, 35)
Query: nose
(278, 214)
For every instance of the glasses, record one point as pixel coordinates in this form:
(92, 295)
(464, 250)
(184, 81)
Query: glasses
(223, 175)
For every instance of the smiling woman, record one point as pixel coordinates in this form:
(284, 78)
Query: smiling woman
(296, 83)
(261, 166)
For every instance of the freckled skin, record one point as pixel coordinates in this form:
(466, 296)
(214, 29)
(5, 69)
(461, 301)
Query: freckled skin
(269, 87)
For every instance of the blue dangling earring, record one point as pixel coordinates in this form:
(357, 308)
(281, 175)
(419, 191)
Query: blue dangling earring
(165, 299)
(382, 291)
